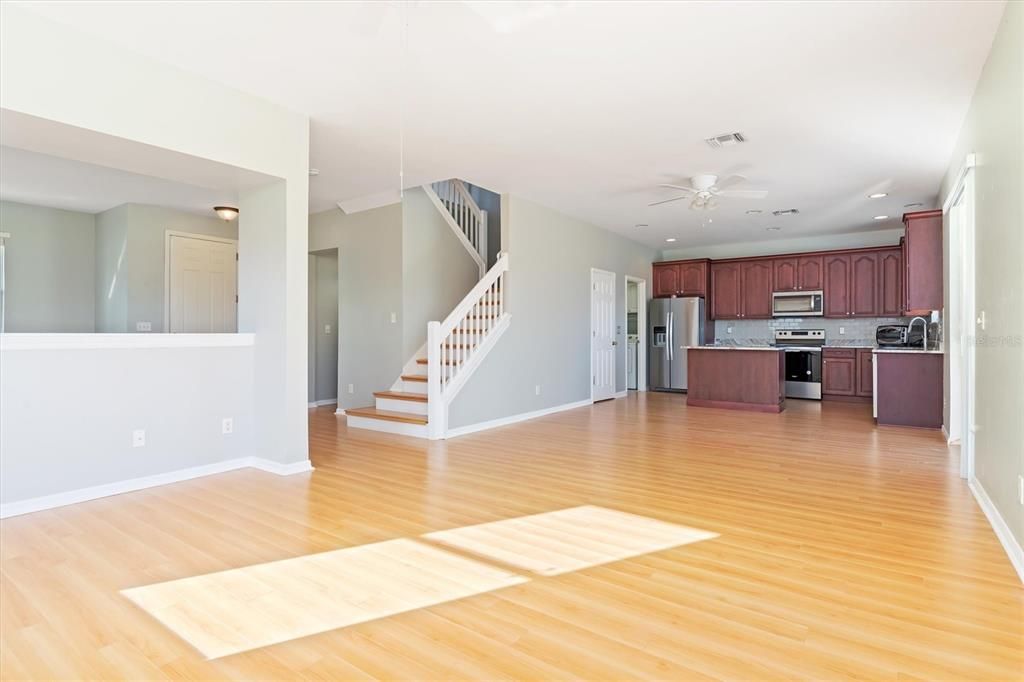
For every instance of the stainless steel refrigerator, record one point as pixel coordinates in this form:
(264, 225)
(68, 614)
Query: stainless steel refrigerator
(675, 325)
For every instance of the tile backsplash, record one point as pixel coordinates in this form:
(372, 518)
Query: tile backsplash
(858, 331)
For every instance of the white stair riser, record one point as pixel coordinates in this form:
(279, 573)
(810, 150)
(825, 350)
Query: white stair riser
(401, 428)
(408, 406)
(414, 387)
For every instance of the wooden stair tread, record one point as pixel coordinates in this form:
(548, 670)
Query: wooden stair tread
(414, 377)
(401, 395)
(374, 413)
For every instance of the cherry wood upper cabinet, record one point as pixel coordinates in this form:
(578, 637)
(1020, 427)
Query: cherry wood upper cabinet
(890, 274)
(666, 279)
(693, 278)
(837, 285)
(725, 291)
(785, 274)
(756, 289)
(922, 251)
(864, 281)
(838, 371)
(810, 273)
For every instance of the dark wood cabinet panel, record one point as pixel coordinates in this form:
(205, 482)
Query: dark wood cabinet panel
(810, 273)
(837, 285)
(864, 285)
(839, 374)
(785, 274)
(725, 291)
(693, 278)
(890, 274)
(756, 289)
(666, 279)
(922, 252)
(865, 374)
(910, 389)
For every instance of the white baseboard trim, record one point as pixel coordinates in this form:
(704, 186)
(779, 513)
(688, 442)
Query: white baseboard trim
(118, 487)
(1010, 544)
(321, 403)
(622, 394)
(340, 411)
(504, 421)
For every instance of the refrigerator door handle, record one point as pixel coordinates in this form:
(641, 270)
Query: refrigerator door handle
(670, 338)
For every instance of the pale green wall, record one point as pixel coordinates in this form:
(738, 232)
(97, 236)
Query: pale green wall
(548, 297)
(325, 312)
(437, 270)
(369, 245)
(112, 270)
(994, 130)
(49, 268)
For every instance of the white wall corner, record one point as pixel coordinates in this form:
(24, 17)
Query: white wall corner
(1006, 538)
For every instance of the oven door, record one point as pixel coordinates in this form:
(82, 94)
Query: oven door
(803, 374)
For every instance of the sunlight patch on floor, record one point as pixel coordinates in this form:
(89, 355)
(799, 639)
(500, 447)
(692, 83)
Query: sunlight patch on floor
(245, 608)
(568, 539)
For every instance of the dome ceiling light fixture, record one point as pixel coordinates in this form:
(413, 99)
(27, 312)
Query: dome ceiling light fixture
(226, 213)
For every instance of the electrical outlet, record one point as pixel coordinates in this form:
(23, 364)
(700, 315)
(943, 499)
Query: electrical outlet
(327, 329)
(143, 326)
(728, 330)
(138, 438)
(842, 330)
(394, 318)
(227, 425)
(351, 388)
(536, 389)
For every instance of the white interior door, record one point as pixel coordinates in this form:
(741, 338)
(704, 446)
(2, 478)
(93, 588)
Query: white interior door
(602, 334)
(203, 285)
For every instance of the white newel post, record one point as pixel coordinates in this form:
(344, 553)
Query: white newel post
(436, 409)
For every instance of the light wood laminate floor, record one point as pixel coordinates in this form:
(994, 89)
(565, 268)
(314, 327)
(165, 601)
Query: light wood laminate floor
(844, 550)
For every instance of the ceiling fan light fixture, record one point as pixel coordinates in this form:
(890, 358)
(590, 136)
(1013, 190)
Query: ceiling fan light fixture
(227, 213)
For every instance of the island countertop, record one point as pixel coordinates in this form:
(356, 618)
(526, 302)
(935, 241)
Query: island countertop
(742, 379)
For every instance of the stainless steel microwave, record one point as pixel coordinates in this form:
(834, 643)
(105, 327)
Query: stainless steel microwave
(798, 303)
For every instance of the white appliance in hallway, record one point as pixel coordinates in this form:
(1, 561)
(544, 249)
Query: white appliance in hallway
(675, 324)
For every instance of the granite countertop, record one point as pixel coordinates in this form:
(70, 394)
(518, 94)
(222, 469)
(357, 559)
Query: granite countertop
(769, 348)
(909, 351)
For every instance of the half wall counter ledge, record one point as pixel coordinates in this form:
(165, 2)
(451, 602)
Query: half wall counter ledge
(90, 341)
(736, 378)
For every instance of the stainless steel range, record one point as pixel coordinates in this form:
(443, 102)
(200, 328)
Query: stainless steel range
(803, 361)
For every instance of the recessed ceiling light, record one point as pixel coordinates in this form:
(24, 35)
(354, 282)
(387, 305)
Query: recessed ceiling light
(670, 239)
(878, 195)
(916, 204)
(881, 217)
(754, 211)
(314, 171)
(773, 229)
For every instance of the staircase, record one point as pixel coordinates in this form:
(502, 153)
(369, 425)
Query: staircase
(417, 403)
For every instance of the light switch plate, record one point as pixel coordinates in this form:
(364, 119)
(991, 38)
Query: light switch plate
(138, 438)
(327, 329)
(351, 388)
(143, 326)
(394, 318)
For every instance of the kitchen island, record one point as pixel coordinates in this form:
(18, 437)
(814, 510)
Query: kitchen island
(736, 378)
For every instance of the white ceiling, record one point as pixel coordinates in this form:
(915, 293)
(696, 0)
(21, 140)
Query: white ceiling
(586, 106)
(31, 178)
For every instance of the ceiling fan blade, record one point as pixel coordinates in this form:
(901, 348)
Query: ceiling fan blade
(679, 187)
(743, 193)
(729, 181)
(665, 201)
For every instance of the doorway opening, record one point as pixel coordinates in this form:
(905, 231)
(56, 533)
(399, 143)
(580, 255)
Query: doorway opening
(323, 328)
(603, 340)
(959, 208)
(635, 326)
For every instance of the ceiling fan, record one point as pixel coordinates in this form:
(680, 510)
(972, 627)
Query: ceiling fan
(705, 190)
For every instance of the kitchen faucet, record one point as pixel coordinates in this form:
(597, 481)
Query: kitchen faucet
(910, 328)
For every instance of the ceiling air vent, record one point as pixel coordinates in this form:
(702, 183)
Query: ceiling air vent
(788, 211)
(725, 140)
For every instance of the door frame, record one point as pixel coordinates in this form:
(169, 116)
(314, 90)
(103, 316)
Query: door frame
(615, 358)
(641, 327)
(959, 209)
(167, 268)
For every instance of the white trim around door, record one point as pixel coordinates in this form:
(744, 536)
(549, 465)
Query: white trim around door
(641, 328)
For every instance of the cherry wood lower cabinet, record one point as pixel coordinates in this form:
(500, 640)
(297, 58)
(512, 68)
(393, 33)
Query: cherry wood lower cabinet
(838, 372)
(736, 379)
(909, 389)
(865, 372)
